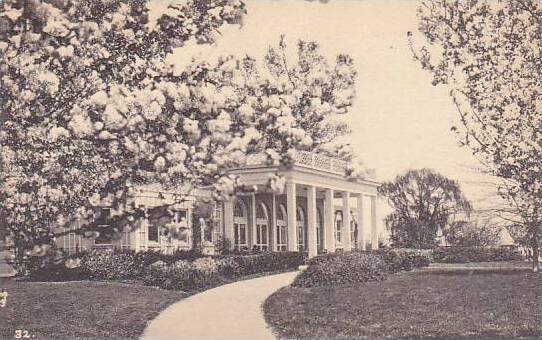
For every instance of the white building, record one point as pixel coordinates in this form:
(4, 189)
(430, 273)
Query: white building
(320, 209)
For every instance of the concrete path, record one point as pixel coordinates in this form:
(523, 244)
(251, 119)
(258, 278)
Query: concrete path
(232, 311)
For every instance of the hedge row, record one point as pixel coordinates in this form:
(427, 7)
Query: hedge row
(475, 254)
(356, 267)
(210, 271)
(184, 270)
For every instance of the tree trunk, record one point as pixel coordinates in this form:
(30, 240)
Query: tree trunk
(536, 254)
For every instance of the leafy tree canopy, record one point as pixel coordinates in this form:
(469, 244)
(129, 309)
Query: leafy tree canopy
(423, 201)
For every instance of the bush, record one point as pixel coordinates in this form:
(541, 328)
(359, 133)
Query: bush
(262, 262)
(57, 271)
(112, 265)
(402, 259)
(346, 268)
(211, 271)
(475, 254)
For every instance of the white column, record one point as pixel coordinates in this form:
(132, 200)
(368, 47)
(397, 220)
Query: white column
(374, 231)
(273, 226)
(253, 222)
(361, 225)
(228, 222)
(347, 243)
(329, 222)
(292, 218)
(312, 245)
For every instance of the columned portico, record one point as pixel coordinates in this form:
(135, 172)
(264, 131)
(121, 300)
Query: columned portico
(291, 206)
(347, 242)
(329, 224)
(228, 221)
(311, 222)
(361, 225)
(273, 234)
(312, 212)
(374, 230)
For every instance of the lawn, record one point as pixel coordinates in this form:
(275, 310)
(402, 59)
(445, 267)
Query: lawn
(449, 304)
(70, 310)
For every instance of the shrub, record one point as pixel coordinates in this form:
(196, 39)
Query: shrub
(402, 259)
(228, 267)
(346, 268)
(267, 262)
(112, 265)
(210, 271)
(475, 254)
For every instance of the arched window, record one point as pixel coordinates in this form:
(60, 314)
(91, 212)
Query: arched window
(300, 214)
(281, 228)
(338, 226)
(262, 226)
(240, 222)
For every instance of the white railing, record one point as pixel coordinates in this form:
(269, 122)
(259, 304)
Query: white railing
(307, 159)
(320, 162)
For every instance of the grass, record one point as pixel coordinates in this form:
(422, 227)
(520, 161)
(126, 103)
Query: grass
(419, 304)
(85, 309)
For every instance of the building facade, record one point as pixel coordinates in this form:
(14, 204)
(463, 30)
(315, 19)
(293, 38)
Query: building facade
(319, 210)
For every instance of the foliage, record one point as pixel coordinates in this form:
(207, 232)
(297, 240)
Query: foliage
(403, 260)
(423, 201)
(211, 271)
(223, 245)
(346, 268)
(109, 265)
(488, 54)
(475, 254)
(473, 233)
(90, 88)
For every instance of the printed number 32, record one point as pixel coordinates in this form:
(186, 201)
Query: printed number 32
(21, 334)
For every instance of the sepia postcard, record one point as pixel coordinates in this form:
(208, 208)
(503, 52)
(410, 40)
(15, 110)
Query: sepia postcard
(270, 169)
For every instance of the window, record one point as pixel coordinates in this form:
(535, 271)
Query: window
(240, 221)
(281, 229)
(103, 223)
(300, 215)
(71, 242)
(153, 233)
(338, 226)
(217, 225)
(158, 223)
(262, 225)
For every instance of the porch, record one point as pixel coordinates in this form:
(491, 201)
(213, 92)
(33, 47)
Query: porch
(320, 208)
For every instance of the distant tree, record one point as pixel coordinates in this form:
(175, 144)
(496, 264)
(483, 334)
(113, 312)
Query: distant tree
(488, 54)
(423, 201)
(472, 233)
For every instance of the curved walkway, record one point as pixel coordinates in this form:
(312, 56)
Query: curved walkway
(232, 311)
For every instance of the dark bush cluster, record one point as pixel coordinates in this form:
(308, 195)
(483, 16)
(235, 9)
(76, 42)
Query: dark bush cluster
(356, 267)
(475, 254)
(333, 269)
(211, 271)
(402, 259)
(182, 270)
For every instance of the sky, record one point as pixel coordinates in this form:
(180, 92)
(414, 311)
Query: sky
(399, 120)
